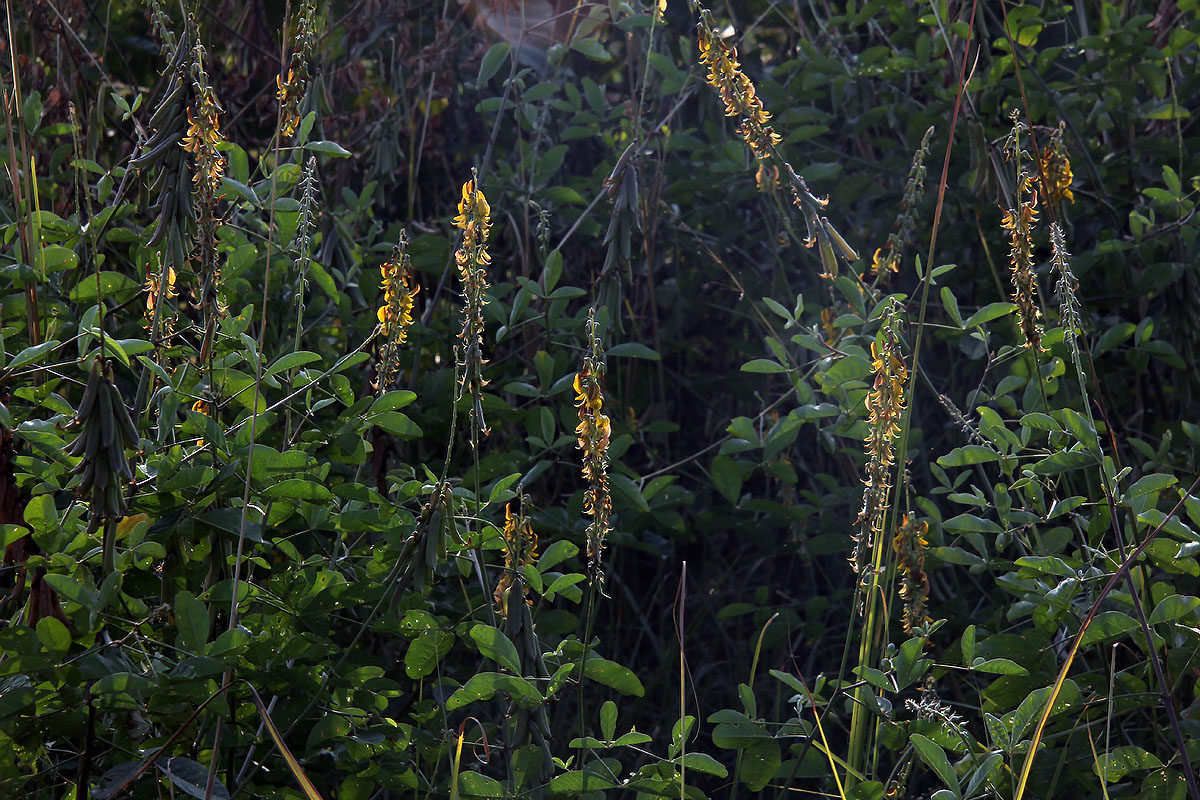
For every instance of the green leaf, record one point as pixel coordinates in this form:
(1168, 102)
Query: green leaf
(1063, 461)
(950, 303)
(703, 763)
(191, 619)
(763, 365)
(425, 651)
(591, 48)
(393, 401)
(999, 666)
(935, 758)
(988, 313)
(633, 350)
(969, 523)
(328, 148)
(111, 283)
(53, 635)
(472, 784)
(968, 454)
(760, 761)
(291, 361)
(491, 62)
(1042, 422)
(1108, 625)
(558, 552)
(397, 423)
(73, 590)
(485, 685)
(608, 720)
(734, 730)
(1172, 607)
(571, 784)
(1123, 760)
(1150, 483)
(613, 675)
(493, 644)
(299, 489)
(31, 355)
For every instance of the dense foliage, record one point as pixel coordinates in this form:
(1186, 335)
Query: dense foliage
(660, 402)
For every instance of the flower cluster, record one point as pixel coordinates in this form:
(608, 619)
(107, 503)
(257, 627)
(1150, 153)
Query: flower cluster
(520, 548)
(887, 258)
(909, 544)
(1019, 222)
(885, 405)
(1067, 287)
(208, 167)
(472, 258)
(290, 88)
(594, 431)
(158, 288)
(1056, 169)
(741, 100)
(396, 313)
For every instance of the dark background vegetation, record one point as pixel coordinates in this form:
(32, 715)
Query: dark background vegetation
(609, 155)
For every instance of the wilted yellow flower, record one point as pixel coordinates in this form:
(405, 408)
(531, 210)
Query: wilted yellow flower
(1019, 223)
(1056, 169)
(910, 544)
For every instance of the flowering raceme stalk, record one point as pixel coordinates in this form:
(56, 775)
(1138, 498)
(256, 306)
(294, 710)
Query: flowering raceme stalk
(473, 259)
(594, 431)
(909, 544)
(887, 259)
(741, 100)
(520, 548)
(1019, 222)
(208, 167)
(1056, 169)
(396, 312)
(885, 405)
(290, 88)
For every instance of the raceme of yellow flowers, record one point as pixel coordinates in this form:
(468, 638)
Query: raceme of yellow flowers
(736, 89)
(594, 431)
(290, 89)
(396, 312)
(520, 548)
(472, 258)
(885, 405)
(910, 544)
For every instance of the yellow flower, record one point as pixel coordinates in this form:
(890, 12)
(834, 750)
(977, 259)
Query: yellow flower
(472, 258)
(520, 548)
(396, 313)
